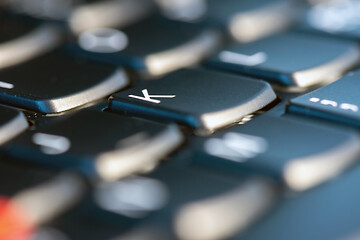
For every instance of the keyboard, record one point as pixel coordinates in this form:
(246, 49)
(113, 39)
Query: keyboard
(179, 119)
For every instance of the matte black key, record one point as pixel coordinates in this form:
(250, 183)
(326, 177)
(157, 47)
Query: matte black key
(22, 39)
(190, 200)
(294, 152)
(338, 101)
(98, 144)
(201, 99)
(153, 46)
(250, 20)
(284, 59)
(12, 123)
(324, 213)
(55, 83)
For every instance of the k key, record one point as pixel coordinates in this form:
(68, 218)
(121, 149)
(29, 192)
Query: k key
(200, 99)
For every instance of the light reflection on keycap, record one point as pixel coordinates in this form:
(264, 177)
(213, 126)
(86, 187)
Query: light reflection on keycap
(221, 216)
(134, 197)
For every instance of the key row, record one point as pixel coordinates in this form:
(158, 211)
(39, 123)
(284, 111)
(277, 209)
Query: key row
(24, 39)
(241, 19)
(181, 96)
(153, 46)
(68, 83)
(38, 198)
(83, 14)
(108, 146)
(236, 150)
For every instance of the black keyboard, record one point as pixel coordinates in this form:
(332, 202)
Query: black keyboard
(179, 119)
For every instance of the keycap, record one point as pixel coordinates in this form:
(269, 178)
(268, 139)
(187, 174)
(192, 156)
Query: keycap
(56, 83)
(154, 46)
(22, 39)
(204, 219)
(338, 101)
(337, 18)
(32, 197)
(94, 228)
(43, 9)
(284, 59)
(12, 123)
(44, 202)
(81, 15)
(249, 20)
(295, 153)
(200, 99)
(192, 201)
(188, 10)
(78, 227)
(97, 144)
(155, 233)
(326, 212)
(109, 13)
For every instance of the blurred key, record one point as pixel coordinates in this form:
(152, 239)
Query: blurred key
(192, 203)
(30, 198)
(337, 17)
(22, 39)
(223, 215)
(249, 20)
(123, 200)
(154, 46)
(200, 99)
(78, 227)
(98, 144)
(44, 202)
(183, 10)
(207, 206)
(109, 13)
(145, 233)
(12, 123)
(325, 213)
(314, 2)
(338, 101)
(55, 83)
(53, 9)
(284, 59)
(82, 15)
(299, 154)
